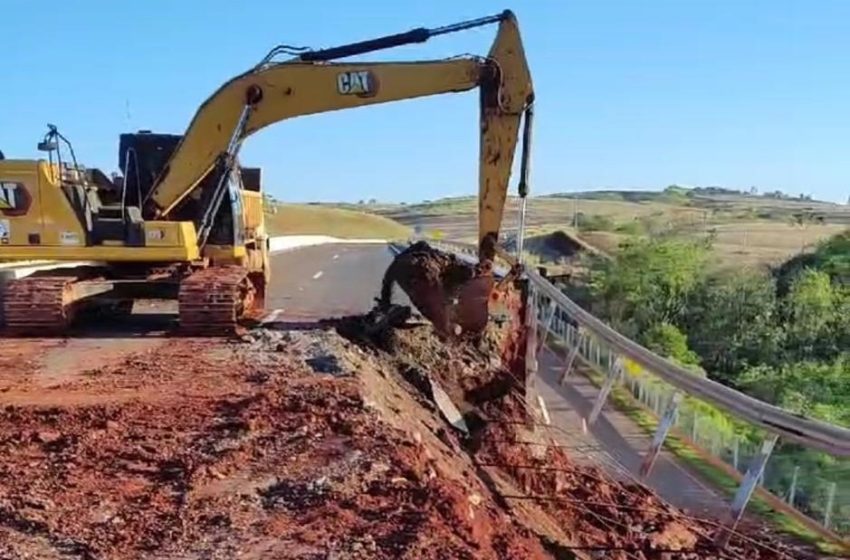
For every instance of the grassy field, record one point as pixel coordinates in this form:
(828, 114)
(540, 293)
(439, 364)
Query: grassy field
(747, 230)
(301, 219)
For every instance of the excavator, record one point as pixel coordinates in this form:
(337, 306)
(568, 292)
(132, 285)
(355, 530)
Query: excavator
(184, 220)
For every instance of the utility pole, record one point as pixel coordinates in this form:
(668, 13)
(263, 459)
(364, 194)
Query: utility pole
(575, 211)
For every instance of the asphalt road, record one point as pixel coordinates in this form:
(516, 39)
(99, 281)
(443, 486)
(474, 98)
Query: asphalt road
(615, 442)
(332, 280)
(325, 281)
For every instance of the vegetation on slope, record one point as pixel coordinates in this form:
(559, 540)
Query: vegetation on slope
(300, 219)
(749, 328)
(782, 335)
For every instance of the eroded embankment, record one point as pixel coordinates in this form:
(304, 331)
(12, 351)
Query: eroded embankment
(303, 444)
(572, 508)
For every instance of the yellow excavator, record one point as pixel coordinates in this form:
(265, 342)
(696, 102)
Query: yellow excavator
(183, 220)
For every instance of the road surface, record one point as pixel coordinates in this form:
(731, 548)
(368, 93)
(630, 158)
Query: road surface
(325, 281)
(617, 443)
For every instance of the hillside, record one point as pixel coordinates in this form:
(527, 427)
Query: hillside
(301, 219)
(746, 229)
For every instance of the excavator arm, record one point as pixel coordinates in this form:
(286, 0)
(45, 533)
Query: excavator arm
(309, 84)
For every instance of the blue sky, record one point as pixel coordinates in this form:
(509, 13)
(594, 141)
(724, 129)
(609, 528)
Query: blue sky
(629, 94)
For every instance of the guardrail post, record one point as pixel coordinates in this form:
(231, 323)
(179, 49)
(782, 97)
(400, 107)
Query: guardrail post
(792, 492)
(530, 353)
(694, 427)
(735, 451)
(660, 434)
(748, 486)
(830, 502)
(613, 374)
(531, 340)
(571, 358)
(547, 325)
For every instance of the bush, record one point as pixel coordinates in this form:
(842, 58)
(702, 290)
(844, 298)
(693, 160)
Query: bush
(668, 341)
(630, 228)
(594, 222)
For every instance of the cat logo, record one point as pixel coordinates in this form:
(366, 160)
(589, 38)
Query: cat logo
(362, 83)
(14, 199)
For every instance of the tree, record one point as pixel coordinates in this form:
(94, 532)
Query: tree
(668, 341)
(831, 256)
(648, 282)
(732, 323)
(811, 313)
(819, 390)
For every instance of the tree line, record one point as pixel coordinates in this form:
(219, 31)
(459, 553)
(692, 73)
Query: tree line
(782, 335)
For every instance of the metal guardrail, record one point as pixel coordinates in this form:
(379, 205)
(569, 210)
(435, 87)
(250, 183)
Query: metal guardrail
(810, 433)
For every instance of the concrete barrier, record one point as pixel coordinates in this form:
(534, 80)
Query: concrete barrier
(282, 243)
(277, 244)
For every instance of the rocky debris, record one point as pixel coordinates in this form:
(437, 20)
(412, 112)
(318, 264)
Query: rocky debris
(595, 511)
(316, 347)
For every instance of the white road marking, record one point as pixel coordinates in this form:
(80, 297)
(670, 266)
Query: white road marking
(335, 257)
(317, 275)
(272, 316)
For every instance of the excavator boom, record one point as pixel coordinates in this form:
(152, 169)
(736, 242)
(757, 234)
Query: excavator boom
(309, 84)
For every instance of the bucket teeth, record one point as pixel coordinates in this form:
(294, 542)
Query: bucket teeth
(213, 300)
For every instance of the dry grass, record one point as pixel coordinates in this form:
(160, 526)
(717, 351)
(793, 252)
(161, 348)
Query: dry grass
(742, 235)
(766, 242)
(299, 219)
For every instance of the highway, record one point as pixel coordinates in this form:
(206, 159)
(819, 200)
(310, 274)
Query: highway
(332, 280)
(325, 281)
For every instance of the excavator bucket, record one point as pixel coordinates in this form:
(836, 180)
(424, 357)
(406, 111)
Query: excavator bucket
(451, 293)
(465, 303)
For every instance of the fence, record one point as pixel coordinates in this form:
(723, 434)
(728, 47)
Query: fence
(813, 482)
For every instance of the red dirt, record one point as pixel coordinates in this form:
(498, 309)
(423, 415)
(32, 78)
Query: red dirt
(302, 445)
(596, 512)
(223, 449)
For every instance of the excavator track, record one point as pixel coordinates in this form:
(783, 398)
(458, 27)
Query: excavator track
(39, 305)
(213, 300)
